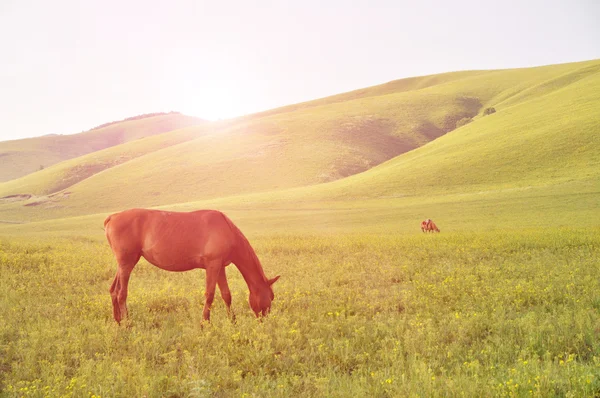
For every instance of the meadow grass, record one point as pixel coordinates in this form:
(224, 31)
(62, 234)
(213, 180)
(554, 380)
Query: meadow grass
(572, 204)
(496, 313)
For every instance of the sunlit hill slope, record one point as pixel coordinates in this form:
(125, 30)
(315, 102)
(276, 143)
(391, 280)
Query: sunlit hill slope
(21, 157)
(409, 138)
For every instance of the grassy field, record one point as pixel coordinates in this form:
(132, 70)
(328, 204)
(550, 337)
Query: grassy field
(510, 312)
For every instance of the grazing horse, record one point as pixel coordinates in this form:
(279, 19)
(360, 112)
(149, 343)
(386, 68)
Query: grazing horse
(429, 226)
(180, 242)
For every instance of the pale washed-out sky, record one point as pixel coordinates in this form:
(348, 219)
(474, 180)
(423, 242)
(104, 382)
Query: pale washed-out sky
(69, 65)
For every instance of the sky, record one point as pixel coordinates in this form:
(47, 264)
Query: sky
(69, 65)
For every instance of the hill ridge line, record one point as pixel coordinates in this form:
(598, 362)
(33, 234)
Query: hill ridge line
(588, 71)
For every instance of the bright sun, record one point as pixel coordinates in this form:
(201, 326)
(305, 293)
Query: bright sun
(217, 101)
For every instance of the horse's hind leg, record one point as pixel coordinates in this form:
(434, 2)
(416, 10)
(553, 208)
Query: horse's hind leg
(114, 288)
(123, 274)
(225, 293)
(118, 289)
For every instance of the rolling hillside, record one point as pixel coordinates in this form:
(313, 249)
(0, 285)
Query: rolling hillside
(374, 144)
(25, 156)
(67, 173)
(547, 135)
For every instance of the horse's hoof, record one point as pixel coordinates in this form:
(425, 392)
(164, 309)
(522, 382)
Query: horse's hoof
(204, 323)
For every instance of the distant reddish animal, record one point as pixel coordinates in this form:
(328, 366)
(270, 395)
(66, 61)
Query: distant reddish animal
(429, 226)
(178, 242)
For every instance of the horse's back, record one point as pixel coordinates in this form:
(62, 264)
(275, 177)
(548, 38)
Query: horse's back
(167, 238)
(140, 223)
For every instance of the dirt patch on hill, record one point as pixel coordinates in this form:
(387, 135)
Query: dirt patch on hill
(15, 198)
(35, 203)
(50, 201)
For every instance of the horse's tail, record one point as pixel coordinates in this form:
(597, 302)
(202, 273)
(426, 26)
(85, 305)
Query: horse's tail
(107, 220)
(105, 231)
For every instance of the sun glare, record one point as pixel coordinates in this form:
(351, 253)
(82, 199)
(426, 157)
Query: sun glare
(217, 102)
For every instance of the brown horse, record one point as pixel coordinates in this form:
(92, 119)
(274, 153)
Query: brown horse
(429, 226)
(180, 242)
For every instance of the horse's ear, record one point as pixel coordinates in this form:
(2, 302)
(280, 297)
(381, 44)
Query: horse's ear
(271, 281)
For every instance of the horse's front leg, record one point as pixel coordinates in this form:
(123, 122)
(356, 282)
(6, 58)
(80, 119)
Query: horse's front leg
(213, 269)
(225, 293)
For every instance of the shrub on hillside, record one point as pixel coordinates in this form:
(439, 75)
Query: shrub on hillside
(489, 111)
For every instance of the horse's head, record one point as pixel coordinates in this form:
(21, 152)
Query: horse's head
(260, 299)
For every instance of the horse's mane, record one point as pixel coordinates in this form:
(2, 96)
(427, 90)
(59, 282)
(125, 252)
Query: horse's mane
(245, 245)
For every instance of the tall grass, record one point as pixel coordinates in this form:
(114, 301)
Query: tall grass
(476, 314)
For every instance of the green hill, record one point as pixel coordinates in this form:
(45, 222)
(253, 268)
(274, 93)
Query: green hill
(374, 144)
(25, 156)
(547, 135)
(67, 173)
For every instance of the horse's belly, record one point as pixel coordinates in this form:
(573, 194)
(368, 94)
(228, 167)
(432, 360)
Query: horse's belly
(173, 263)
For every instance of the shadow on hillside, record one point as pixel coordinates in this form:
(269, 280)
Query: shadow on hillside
(369, 141)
